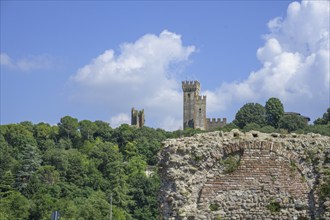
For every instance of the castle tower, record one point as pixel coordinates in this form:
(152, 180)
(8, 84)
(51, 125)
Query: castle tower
(194, 106)
(137, 118)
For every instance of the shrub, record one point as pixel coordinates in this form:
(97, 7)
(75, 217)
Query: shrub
(214, 207)
(231, 163)
(274, 207)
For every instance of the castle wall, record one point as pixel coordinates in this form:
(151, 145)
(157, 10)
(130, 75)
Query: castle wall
(215, 123)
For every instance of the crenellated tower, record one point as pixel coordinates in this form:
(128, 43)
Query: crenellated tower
(194, 106)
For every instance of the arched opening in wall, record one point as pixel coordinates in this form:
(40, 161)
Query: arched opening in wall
(200, 111)
(255, 182)
(188, 95)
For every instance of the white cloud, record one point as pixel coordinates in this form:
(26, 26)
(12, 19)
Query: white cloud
(119, 119)
(142, 75)
(295, 65)
(25, 64)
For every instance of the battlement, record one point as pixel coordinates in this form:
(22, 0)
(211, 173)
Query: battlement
(190, 86)
(201, 99)
(216, 120)
(215, 123)
(194, 109)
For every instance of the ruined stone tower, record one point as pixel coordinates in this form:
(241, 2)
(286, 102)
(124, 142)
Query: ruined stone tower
(194, 109)
(137, 118)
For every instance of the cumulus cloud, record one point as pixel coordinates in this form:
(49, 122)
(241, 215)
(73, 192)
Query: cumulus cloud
(25, 64)
(142, 75)
(119, 119)
(295, 64)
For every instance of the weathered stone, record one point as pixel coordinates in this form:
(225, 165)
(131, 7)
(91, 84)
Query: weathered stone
(269, 173)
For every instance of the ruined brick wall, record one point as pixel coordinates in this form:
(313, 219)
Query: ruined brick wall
(244, 176)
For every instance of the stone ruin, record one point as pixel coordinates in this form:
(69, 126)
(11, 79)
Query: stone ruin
(137, 118)
(252, 175)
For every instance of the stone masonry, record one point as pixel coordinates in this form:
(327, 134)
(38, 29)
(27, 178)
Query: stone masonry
(194, 109)
(137, 118)
(252, 175)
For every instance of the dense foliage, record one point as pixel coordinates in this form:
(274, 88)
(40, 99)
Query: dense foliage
(272, 118)
(324, 120)
(250, 113)
(274, 111)
(76, 167)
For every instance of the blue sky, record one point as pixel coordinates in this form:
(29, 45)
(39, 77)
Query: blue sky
(96, 60)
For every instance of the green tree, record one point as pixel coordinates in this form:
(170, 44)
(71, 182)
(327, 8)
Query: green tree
(28, 125)
(124, 134)
(7, 162)
(104, 131)
(117, 179)
(95, 207)
(320, 129)
(324, 120)
(229, 127)
(43, 135)
(78, 167)
(57, 158)
(19, 136)
(6, 184)
(43, 205)
(250, 113)
(68, 127)
(30, 163)
(48, 175)
(292, 122)
(267, 129)
(87, 129)
(251, 126)
(15, 206)
(144, 192)
(274, 111)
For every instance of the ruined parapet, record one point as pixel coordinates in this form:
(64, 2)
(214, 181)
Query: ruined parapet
(235, 175)
(215, 123)
(137, 118)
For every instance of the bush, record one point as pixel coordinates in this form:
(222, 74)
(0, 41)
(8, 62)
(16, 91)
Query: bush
(251, 126)
(292, 122)
(274, 207)
(231, 163)
(214, 207)
(268, 129)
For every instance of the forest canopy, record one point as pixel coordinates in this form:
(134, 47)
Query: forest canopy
(82, 168)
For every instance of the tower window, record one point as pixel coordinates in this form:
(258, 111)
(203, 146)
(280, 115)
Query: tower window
(188, 95)
(200, 111)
